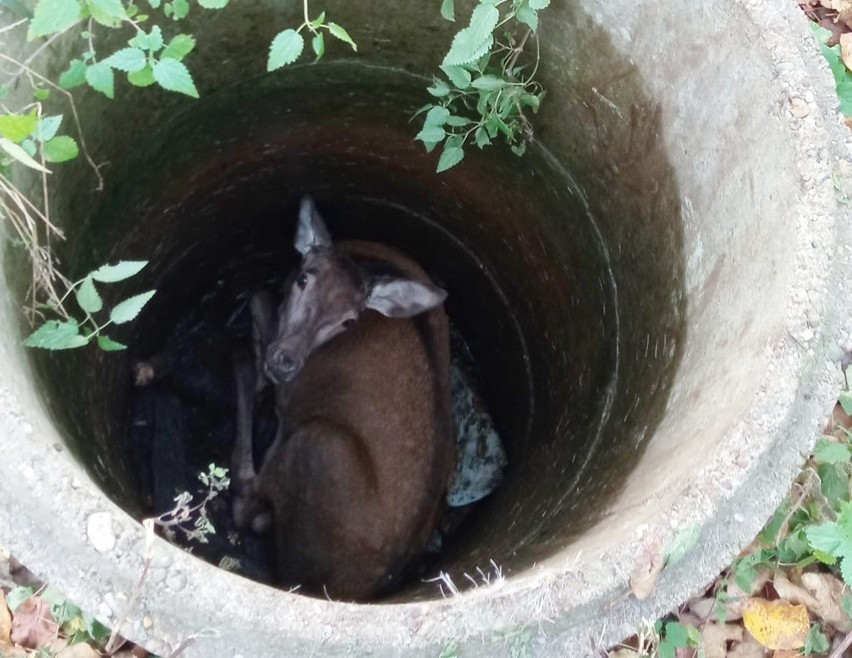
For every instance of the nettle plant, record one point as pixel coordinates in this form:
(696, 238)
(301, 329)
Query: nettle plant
(484, 93)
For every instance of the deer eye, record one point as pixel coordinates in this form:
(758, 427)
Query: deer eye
(302, 281)
(348, 322)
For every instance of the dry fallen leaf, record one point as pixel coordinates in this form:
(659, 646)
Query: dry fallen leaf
(715, 638)
(748, 648)
(829, 591)
(5, 620)
(647, 569)
(33, 625)
(843, 9)
(624, 653)
(846, 49)
(737, 598)
(786, 653)
(78, 650)
(777, 624)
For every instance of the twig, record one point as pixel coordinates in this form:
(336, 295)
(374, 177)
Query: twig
(842, 647)
(53, 85)
(25, 65)
(518, 50)
(782, 529)
(184, 644)
(148, 524)
(13, 25)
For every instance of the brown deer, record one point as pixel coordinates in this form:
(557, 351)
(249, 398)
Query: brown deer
(356, 477)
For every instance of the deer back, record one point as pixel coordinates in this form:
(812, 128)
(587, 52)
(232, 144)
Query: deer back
(360, 478)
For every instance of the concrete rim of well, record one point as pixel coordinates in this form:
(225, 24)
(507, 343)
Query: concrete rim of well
(183, 595)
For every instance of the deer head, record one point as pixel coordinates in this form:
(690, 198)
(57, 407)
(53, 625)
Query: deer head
(328, 293)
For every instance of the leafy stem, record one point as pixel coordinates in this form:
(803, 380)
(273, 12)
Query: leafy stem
(483, 91)
(288, 45)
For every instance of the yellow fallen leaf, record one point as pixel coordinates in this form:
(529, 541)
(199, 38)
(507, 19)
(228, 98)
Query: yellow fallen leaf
(777, 624)
(5, 620)
(846, 49)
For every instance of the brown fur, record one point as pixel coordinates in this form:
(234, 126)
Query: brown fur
(359, 475)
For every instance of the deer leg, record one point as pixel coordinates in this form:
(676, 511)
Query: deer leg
(263, 322)
(247, 508)
(242, 462)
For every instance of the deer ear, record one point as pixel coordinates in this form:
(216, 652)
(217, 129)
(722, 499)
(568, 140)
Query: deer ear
(403, 298)
(311, 232)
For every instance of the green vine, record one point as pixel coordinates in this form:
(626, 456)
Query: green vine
(482, 95)
(484, 92)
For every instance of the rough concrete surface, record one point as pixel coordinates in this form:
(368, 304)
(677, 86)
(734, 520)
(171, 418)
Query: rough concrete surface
(746, 117)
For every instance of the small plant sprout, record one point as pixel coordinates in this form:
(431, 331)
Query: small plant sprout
(191, 519)
(483, 93)
(70, 332)
(287, 46)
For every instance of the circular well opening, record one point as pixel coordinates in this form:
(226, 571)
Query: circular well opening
(557, 307)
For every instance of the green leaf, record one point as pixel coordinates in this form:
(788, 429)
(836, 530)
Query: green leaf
(128, 309)
(436, 117)
(101, 78)
(846, 564)
(143, 78)
(431, 134)
(831, 452)
(19, 154)
(474, 41)
(677, 634)
(56, 335)
(107, 12)
(40, 93)
(338, 32)
(179, 47)
(107, 344)
(481, 137)
(458, 122)
(74, 75)
(439, 89)
(17, 127)
(825, 537)
(528, 16)
(458, 75)
(539, 4)
(17, 596)
(213, 4)
(47, 127)
(127, 60)
(318, 21)
(834, 483)
(61, 149)
(846, 605)
(52, 16)
(87, 296)
(531, 101)
(666, 649)
(845, 400)
(816, 642)
(284, 49)
(681, 544)
(152, 41)
(519, 149)
(123, 269)
(180, 9)
(450, 157)
(489, 83)
(173, 75)
(29, 147)
(318, 45)
(448, 10)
